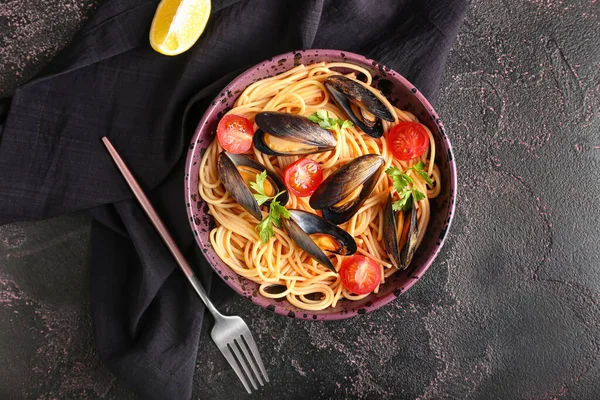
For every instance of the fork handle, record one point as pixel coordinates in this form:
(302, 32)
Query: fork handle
(160, 227)
(204, 296)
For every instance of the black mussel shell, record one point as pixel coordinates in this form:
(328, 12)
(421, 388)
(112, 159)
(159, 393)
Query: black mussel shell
(346, 91)
(400, 258)
(305, 136)
(238, 188)
(305, 242)
(364, 170)
(313, 224)
(390, 233)
(408, 251)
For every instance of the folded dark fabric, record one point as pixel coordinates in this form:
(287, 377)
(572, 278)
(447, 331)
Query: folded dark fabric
(109, 82)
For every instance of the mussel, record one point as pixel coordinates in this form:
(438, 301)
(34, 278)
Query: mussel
(281, 134)
(394, 234)
(343, 192)
(359, 102)
(237, 171)
(315, 235)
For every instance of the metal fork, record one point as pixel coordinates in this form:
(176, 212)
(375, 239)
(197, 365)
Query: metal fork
(230, 333)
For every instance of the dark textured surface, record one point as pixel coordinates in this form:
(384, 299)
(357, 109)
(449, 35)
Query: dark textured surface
(510, 308)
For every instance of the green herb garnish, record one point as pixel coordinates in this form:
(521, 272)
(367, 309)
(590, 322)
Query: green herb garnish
(276, 210)
(402, 180)
(419, 168)
(322, 118)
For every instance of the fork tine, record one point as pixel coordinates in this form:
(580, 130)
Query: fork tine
(252, 345)
(240, 341)
(229, 357)
(241, 361)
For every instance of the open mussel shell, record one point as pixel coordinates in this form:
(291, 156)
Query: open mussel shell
(343, 192)
(304, 241)
(331, 237)
(400, 258)
(282, 134)
(232, 167)
(314, 235)
(361, 105)
(408, 251)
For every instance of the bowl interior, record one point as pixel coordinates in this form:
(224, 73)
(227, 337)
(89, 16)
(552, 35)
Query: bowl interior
(403, 95)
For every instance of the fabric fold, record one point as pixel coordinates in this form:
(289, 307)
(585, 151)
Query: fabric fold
(109, 82)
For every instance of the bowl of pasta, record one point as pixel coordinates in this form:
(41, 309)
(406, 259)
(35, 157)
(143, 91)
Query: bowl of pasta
(320, 184)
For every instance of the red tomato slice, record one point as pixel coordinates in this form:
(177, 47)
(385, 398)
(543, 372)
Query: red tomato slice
(408, 140)
(360, 274)
(235, 133)
(303, 177)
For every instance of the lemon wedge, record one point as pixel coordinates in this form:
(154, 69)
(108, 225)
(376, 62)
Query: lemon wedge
(178, 24)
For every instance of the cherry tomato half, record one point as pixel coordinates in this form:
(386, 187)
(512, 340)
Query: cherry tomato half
(235, 133)
(303, 177)
(360, 274)
(408, 140)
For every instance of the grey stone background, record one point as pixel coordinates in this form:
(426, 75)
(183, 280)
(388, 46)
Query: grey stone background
(510, 309)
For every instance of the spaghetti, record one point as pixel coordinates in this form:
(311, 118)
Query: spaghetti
(280, 263)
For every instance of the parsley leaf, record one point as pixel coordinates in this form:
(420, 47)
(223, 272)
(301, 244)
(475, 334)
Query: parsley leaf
(265, 228)
(418, 166)
(404, 203)
(261, 198)
(401, 181)
(345, 124)
(322, 118)
(419, 169)
(418, 195)
(259, 185)
(276, 210)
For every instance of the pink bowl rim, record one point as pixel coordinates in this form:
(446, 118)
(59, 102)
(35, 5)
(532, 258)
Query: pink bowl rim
(361, 61)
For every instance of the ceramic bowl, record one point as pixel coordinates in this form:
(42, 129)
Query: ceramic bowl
(403, 95)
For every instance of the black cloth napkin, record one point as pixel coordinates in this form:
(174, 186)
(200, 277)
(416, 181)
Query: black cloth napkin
(109, 81)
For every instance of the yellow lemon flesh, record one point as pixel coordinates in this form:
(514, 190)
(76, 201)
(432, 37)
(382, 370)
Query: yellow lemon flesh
(177, 25)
